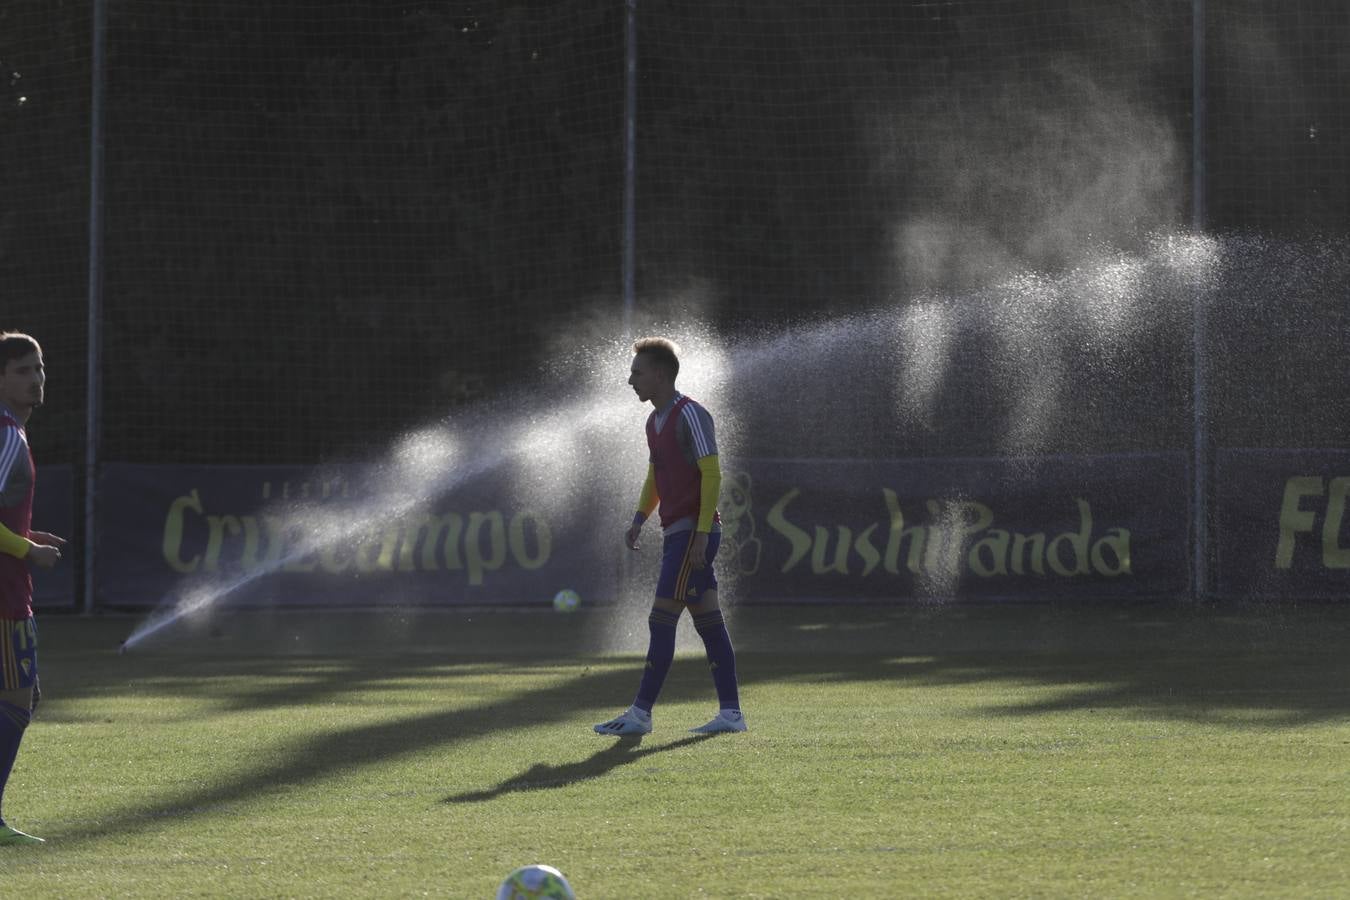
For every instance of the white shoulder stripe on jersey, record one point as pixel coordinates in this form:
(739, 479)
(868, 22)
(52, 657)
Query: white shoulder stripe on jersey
(702, 446)
(9, 452)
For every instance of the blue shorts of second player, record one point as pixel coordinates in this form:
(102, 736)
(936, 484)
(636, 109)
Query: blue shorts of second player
(679, 579)
(18, 653)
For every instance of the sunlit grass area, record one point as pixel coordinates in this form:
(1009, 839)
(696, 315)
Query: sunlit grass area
(930, 751)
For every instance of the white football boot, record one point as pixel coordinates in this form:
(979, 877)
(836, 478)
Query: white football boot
(631, 721)
(725, 720)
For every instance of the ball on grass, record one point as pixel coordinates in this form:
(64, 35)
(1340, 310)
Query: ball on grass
(543, 882)
(566, 600)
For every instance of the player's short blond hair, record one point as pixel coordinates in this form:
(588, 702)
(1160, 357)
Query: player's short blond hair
(663, 350)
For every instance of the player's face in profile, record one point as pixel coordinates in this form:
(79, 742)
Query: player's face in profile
(644, 377)
(21, 384)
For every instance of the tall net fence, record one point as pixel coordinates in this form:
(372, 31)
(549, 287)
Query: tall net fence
(45, 65)
(858, 153)
(964, 226)
(1012, 181)
(1278, 129)
(326, 221)
(955, 172)
(1278, 188)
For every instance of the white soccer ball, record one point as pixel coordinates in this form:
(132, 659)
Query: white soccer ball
(566, 600)
(535, 883)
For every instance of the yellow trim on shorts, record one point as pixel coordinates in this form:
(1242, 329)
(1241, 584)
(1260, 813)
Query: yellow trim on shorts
(686, 567)
(9, 663)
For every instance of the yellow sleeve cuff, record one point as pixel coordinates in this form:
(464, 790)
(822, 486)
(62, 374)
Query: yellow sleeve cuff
(709, 490)
(13, 544)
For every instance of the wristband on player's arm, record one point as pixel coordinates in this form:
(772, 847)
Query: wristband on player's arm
(710, 487)
(14, 544)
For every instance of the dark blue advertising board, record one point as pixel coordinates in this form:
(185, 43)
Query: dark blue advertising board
(1076, 528)
(1281, 523)
(266, 535)
(1073, 528)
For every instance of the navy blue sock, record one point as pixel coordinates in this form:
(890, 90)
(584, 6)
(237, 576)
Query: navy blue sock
(721, 658)
(660, 654)
(13, 721)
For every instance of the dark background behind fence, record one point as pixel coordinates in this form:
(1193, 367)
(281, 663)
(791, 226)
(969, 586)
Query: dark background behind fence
(330, 219)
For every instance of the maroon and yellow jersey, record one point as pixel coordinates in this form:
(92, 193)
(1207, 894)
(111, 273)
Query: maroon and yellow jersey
(678, 437)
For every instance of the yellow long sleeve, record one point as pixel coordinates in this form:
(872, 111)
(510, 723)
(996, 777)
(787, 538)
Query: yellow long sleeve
(648, 499)
(14, 544)
(708, 491)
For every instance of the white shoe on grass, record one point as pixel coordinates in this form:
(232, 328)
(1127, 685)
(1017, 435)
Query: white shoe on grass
(631, 721)
(726, 720)
(10, 835)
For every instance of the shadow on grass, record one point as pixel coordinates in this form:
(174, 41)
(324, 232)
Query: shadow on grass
(315, 758)
(1282, 667)
(1257, 666)
(621, 752)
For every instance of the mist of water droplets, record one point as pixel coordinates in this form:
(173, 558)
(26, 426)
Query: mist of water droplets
(1036, 364)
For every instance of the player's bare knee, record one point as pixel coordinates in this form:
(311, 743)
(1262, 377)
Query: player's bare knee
(705, 604)
(666, 604)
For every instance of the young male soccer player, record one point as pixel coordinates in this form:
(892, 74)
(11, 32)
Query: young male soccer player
(21, 390)
(683, 478)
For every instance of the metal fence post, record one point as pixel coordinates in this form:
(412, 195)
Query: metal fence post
(1200, 399)
(93, 353)
(629, 166)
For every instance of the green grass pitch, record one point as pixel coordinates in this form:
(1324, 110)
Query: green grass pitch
(936, 751)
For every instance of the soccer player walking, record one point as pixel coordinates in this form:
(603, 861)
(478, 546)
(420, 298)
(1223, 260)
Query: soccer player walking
(22, 379)
(683, 478)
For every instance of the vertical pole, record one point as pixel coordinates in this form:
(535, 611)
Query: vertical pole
(1200, 399)
(624, 575)
(93, 355)
(1198, 115)
(629, 165)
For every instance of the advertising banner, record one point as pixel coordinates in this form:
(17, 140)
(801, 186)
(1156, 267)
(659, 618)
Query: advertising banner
(1074, 528)
(1282, 531)
(54, 512)
(266, 535)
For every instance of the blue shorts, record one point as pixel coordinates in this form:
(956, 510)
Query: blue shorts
(18, 653)
(679, 580)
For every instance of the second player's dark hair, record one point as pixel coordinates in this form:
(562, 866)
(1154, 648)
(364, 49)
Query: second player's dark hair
(15, 345)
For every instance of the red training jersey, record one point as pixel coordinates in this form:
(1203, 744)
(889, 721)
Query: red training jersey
(678, 479)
